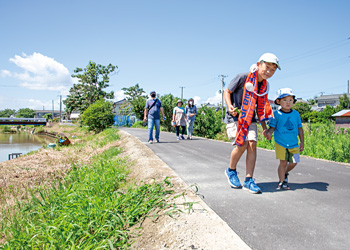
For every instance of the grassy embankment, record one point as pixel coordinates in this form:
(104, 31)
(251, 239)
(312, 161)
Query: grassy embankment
(92, 207)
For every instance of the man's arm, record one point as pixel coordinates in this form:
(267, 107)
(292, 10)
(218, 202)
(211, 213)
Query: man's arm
(162, 110)
(145, 114)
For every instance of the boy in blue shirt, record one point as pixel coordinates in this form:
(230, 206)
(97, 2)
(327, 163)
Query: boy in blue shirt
(287, 127)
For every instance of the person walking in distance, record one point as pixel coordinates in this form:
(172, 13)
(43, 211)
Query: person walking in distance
(152, 111)
(179, 118)
(191, 111)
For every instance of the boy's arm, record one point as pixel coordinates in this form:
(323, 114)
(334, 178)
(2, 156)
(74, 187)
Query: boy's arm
(301, 137)
(227, 97)
(269, 133)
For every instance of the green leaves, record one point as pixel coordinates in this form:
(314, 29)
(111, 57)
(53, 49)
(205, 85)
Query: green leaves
(25, 113)
(98, 116)
(92, 81)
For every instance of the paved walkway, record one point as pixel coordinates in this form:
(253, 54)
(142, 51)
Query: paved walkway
(314, 214)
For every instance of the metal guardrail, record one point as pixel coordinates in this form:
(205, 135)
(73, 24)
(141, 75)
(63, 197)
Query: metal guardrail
(14, 155)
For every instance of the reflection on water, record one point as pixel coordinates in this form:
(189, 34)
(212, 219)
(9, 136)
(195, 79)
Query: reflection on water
(20, 143)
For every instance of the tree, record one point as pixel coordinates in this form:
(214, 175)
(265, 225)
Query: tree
(326, 114)
(47, 116)
(92, 81)
(137, 98)
(208, 122)
(344, 102)
(7, 112)
(303, 109)
(98, 116)
(311, 101)
(25, 113)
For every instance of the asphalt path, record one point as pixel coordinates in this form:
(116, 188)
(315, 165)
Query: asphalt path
(314, 214)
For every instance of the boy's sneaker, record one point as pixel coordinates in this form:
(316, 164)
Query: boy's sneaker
(251, 186)
(283, 186)
(232, 178)
(182, 137)
(178, 138)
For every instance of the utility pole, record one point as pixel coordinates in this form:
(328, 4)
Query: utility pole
(60, 108)
(348, 95)
(53, 110)
(182, 92)
(222, 94)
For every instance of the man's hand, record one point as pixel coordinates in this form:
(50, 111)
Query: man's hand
(144, 119)
(301, 146)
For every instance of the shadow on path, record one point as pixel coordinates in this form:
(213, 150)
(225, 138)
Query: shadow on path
(270, 187)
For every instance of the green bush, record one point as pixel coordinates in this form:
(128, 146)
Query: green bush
(98, 116)
(208, 122)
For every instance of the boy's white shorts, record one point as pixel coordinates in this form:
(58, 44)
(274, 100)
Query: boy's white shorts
(231, 130)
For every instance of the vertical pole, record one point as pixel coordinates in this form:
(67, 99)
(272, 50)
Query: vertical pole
(60, 108)
(348, 95)
(182, 92)
(53, 110)
(222, 94)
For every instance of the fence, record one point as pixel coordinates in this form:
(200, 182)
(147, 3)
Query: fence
(124, 121)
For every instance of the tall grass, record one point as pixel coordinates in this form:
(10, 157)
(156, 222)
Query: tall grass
(323, 141)
(91, 208)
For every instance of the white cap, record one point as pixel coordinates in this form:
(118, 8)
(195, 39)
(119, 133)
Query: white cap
(270, 58)
(281, 93)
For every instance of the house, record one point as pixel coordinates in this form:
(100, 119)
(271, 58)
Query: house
(122, 107)
(41, 113)
(328, 100)
(123, 115)
(342, 118)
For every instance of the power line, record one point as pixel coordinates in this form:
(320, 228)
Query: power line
(318, 51)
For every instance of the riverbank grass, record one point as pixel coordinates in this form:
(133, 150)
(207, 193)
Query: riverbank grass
(92, 207)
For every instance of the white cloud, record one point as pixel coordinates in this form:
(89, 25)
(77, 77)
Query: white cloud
(215, 99)
(197, 100)
(41, 73)
(5, 73)
(119, 95)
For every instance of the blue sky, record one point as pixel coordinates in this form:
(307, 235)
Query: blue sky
(165, 44)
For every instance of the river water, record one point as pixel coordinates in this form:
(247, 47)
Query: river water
(21, 143)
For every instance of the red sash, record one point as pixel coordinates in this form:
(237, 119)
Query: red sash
(248, 105)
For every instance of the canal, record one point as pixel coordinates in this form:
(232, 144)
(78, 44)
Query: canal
(21, 143)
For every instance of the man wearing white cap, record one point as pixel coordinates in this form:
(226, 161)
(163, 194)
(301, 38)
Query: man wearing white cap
(244, 93)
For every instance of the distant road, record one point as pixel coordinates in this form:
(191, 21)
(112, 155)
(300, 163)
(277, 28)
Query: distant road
(314, 214)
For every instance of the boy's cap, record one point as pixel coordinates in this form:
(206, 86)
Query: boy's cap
(281, 93)
(271, 58)
(152, 92)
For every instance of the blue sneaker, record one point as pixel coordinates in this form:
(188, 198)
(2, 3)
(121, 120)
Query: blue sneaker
(232, 178)
(251, 186)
